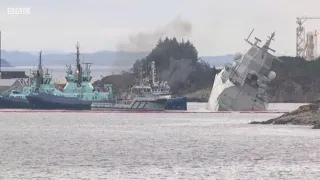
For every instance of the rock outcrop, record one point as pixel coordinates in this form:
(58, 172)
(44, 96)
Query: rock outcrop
(304, 115)
(199, 96)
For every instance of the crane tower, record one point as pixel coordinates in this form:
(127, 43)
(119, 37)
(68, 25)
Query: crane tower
(301, 40)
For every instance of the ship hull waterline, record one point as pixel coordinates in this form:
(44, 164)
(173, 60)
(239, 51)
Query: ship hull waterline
(52, 102)
(179, 103)
(241, 100)
(137, 105)
(45, 101)
(14, 103)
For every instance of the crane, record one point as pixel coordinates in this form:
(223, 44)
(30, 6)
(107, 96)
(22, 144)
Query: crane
(301, 37)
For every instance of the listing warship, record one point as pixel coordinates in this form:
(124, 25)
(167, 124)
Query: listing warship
(39, 80)
(241, 86)
(78, 94)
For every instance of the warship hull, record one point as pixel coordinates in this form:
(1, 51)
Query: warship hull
(14, 103)
(48, 101)
(226, 96)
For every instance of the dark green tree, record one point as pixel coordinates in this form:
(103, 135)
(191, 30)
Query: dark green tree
(170, 48)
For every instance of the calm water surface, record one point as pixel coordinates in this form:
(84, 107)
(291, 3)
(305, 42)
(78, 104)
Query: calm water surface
(154, 146)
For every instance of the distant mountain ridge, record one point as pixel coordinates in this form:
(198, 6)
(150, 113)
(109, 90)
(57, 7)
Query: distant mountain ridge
(5, 63)
(104, 58)
(218, 61)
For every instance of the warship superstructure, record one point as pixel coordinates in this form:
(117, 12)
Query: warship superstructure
(242, 85)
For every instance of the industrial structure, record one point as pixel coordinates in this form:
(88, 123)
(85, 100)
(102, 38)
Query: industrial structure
(306, 43)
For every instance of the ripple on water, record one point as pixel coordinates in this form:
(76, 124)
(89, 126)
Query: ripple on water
(154, 146)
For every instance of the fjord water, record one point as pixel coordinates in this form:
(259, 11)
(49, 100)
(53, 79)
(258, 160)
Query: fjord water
(155, 146)
(59, 72)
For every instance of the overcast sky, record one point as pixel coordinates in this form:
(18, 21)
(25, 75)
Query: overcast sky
(218, 27)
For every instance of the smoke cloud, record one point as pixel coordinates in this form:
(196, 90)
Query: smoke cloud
(178, 71)
(146, 41)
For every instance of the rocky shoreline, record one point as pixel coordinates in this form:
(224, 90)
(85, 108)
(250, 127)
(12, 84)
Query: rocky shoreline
(305, 115)
(199, 96)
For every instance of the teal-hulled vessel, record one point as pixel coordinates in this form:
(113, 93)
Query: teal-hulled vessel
(38, 80)
(77, 94)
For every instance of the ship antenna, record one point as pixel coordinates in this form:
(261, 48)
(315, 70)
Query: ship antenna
(40, 60)
(153, 72)
(79, 69)
(267, 44)
(39, 72)
(247, 40)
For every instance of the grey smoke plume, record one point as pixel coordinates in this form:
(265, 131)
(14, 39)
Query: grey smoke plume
(146, 41)
(178, 71)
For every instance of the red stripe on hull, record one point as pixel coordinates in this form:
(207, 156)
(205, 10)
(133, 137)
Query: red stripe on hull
(171, 111)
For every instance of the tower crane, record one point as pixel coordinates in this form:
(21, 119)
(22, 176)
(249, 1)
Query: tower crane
(301, 36)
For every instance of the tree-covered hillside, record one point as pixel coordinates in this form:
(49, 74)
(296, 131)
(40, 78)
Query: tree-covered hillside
(297, 80)
(177, 63)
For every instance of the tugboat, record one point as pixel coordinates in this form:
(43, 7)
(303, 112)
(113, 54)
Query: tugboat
(38, 81)
(78, 94)
(241, 86)
(158, 89)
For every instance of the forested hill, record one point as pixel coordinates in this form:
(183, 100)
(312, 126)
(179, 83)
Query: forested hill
(178, 63)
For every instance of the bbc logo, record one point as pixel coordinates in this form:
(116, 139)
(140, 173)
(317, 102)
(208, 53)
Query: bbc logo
(18, 11)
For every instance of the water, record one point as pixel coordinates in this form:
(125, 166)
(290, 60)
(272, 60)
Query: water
(59, 72)
(283, 107)
(154, 146)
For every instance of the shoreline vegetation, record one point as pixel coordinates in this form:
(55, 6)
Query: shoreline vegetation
(308, 115)
(189, 76)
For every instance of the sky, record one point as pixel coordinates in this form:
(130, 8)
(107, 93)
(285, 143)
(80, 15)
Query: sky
(217, 27)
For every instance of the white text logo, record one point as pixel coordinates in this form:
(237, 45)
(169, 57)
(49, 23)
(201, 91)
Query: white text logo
(18, 11)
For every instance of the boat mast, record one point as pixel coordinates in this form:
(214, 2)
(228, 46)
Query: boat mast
(153, 72)
(140, 75)
(40, 63)
(266, 46)
(39, 72)
(79, 69)
(0, 55)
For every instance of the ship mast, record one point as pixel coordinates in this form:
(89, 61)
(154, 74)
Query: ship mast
(268, 42)
(0, 56)
(153, 72)
(39, 72)
(79, 69)
(40, 63)
(140, 75)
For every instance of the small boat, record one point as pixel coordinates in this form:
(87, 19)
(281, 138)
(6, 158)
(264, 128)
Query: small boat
(160, 89)
(136, 104)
